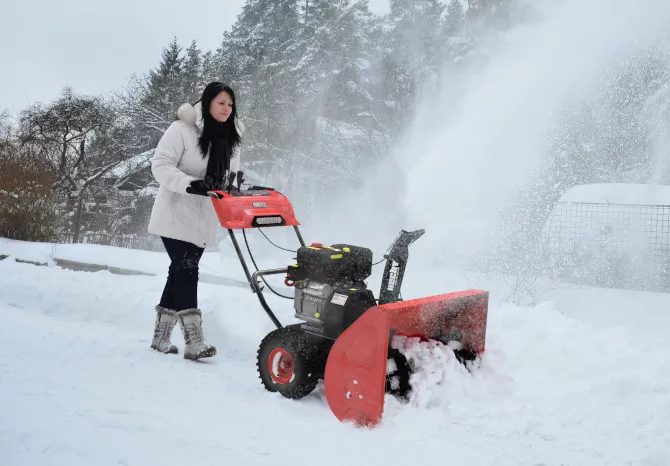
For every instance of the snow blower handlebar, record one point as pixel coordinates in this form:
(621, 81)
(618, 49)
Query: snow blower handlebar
(229, 185)
(259, 291)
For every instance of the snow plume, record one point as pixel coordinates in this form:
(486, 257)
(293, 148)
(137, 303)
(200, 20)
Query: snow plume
(657, 117)
(554, 101)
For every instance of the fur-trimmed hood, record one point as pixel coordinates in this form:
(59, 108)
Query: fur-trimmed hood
(192, 114)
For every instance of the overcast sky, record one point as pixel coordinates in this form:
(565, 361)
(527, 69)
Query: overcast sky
(94, 46)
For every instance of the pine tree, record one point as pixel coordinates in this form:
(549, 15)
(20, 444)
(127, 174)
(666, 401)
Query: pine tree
(336, 129)
(209, 68)
(255, 59)
(164, 90)
(192, 73)
(259, 36)
(150, 102)
(414, 36)
(333, 71)
(410, 57)
(484, 13)
(453, 22)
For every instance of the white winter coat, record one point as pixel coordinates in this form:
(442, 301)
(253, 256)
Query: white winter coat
(176, 162)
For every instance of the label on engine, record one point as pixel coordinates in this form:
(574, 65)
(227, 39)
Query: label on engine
(339, 299)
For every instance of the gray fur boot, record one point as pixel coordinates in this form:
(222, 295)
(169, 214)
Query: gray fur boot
(191, 326)
(165, 322)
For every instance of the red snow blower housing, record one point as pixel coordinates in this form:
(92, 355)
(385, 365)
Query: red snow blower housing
(345, 332)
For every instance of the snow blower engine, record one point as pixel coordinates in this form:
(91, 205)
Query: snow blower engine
(345, 332)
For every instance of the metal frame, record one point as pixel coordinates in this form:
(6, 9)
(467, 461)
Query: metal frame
(253, 278)
(613, 245)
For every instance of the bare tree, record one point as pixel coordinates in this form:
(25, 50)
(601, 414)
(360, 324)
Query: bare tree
(75, 135)
(5, 128)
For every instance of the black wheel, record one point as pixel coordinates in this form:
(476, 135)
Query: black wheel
(290, 361)
(397, 375)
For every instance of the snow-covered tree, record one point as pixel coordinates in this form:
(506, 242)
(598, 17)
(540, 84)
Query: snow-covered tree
(209, 68)
(414, 36)
(453, 22)
(5, 129)
(71, 135)
(259, 37)
(332, 73)
(483, 14)
(164, 90)
(192, 73)
(149, 103)
(408, 44)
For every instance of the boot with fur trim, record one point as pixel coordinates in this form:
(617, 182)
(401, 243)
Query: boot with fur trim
(191, 326)
(165, 322)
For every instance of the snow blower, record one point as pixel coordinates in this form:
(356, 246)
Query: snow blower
(344, 333)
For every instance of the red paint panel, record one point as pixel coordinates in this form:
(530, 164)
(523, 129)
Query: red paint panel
(355, 376)
(453, 316)
(237, 212)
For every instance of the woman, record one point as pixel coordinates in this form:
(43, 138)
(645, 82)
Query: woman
(194, 156)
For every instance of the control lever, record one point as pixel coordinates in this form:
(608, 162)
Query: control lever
(215, 194)
(231, 178)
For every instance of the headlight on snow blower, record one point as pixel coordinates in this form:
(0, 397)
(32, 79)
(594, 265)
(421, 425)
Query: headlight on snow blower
(268, 221)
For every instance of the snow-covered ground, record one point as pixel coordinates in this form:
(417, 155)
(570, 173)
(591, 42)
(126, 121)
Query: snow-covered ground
(582, 378)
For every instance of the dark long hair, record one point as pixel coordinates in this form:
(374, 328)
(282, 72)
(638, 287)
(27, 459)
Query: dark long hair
(211, 127)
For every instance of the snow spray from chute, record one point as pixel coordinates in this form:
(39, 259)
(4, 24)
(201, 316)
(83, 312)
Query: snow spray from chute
(476, 142)
(474, 156)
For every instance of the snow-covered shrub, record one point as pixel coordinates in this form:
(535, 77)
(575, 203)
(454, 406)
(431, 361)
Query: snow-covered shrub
(28, 204)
